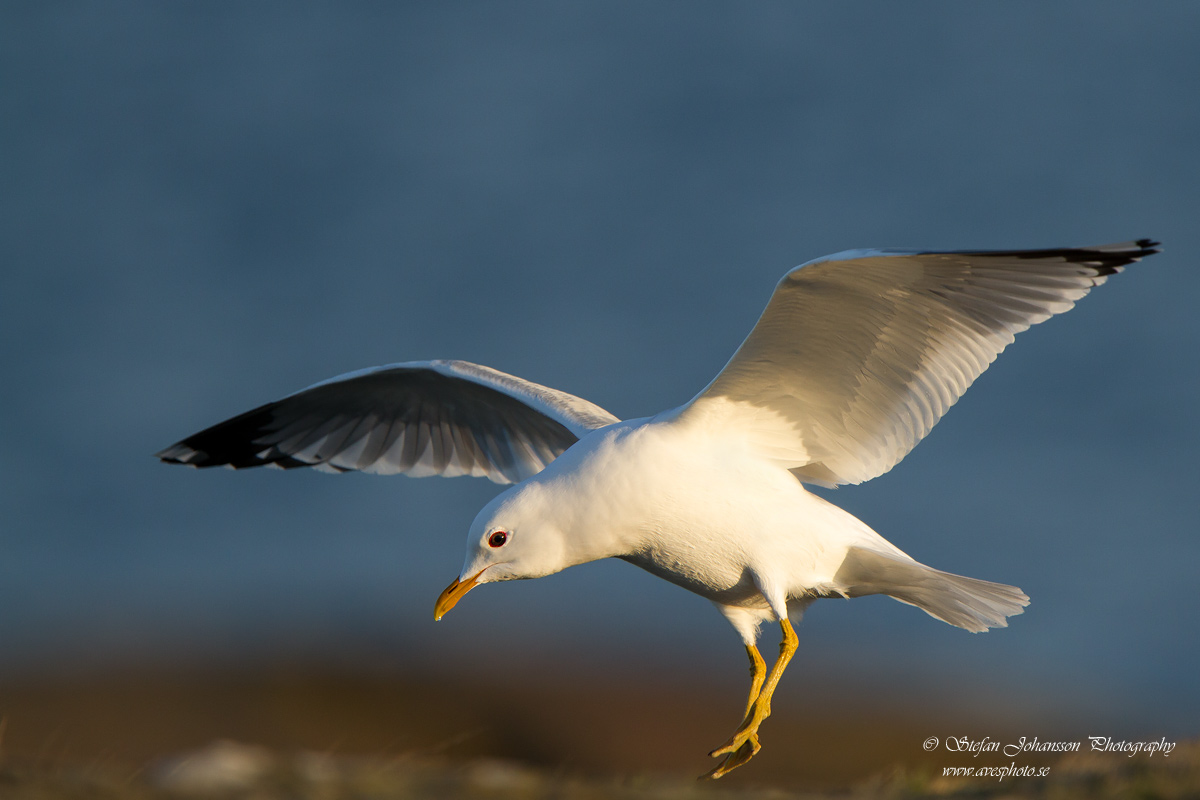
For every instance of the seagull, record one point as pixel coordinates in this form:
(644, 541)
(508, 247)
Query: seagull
(854, 360)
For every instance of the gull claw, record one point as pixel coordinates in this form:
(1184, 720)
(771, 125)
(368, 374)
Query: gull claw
(734, 759)
(747, 732)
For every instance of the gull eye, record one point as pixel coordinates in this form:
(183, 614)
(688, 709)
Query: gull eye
(498, 539)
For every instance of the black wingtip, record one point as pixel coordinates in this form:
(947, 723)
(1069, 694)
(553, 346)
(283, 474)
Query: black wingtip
(229, 444)
(175, 454)
(1113, 258)
(1105, 259)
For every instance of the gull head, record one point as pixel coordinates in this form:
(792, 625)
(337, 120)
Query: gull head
(512, 538)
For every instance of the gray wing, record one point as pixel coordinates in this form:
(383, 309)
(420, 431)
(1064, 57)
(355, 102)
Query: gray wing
(419, 418)
(859, 354)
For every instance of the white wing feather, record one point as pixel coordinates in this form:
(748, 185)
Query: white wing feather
(859, 354)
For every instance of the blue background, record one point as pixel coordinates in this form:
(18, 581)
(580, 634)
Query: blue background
(206, 206)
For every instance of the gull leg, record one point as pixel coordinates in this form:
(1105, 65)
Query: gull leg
(758, 673)
(742, 746)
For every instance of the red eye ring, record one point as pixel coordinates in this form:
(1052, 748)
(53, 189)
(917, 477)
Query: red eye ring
(497, 539)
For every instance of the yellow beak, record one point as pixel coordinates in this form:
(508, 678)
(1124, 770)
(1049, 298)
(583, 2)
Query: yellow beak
(453, 593)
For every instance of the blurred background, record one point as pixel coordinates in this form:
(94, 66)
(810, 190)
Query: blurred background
(206, 206)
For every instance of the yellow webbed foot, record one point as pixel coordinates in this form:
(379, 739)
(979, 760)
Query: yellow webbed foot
(746, 733)
(734, 759)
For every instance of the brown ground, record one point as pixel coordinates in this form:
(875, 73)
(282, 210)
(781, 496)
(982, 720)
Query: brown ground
(328, 735)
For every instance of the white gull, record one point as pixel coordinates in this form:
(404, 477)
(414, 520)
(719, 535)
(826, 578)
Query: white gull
(854, 360)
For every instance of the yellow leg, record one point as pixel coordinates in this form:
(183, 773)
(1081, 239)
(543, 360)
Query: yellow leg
(742, 746)
(758, 673)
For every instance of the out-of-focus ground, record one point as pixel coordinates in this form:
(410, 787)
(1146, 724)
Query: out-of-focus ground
(295, 732)
(231, 770)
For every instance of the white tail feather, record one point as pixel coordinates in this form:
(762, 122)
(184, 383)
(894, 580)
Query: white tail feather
(967, 603)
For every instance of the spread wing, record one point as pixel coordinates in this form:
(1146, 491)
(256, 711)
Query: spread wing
(859, 354)
(418, 418)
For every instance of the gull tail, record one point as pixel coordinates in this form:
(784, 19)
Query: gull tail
(967, 603)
